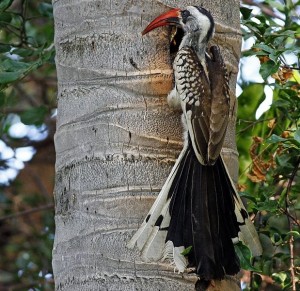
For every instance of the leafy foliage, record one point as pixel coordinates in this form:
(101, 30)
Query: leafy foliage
(270, 169)
(27, 101)
(26, 44)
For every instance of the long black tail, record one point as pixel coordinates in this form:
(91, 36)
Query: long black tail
(202, 210)
(199, 209)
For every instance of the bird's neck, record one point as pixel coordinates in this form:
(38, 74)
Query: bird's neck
(196, 42)
(199, 47)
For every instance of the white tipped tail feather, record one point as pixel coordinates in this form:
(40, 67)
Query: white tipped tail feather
(175, 256)
(151, 236)
(247, 234)
(157, 241)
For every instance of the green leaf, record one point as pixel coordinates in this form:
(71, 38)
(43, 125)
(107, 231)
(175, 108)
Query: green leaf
(4, 4)
(5, 17)
(278, 41)
(264, 47)
(4, 48)
(273, 57)
(283, 160)
(254, 28)
(267, 245)
(269, 205)
(275, 139)
(279, 277)
(293, 233)
(262, 18)
(267, 267)
(246, 12)
(250, 100)
(289, 33)
(23, 52)
(276, 239)
(287, 287)
(34, 116)
(48, 56)
(249, 53)
(276, 4)
(297, 135)
(248, 196)
(268, 68)
(46, 9)
(9, 77)
(2, 99)
(12, 70)
(13, 65)
(245, 257)
(187, 251)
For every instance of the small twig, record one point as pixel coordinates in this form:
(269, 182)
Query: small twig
(31, 100)
(26, 212)
(7, 110)
(290, 67)
(250, 164)
(292, 267)
(38, 182)
(291, 240)
(284, 211)
(251, 278)
(265, 9)
(252, 123)
(15, 33)
(23, 35)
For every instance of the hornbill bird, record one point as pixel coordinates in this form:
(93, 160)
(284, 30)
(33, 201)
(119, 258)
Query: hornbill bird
(198, 215)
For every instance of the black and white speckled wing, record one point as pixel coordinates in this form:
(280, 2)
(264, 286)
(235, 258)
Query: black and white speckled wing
(203, 89)
(220, 102)
(192, 84)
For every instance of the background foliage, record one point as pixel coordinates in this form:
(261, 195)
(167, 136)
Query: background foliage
(269, 146)
(27, 102)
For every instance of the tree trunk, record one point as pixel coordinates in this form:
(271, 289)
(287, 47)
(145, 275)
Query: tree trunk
(116, 138)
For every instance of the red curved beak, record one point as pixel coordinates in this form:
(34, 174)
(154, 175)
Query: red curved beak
(170, 17)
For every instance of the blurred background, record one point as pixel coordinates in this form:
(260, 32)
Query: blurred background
(27, 157)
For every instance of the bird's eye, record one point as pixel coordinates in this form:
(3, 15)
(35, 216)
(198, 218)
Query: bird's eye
(185, 14)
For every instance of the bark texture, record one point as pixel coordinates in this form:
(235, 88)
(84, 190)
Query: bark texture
(116, 138)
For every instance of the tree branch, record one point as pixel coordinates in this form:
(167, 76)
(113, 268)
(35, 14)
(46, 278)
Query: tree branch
(265, 9)
(26, 212)
(252, 123)
(291, 240)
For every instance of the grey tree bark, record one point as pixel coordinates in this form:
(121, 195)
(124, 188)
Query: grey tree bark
(116, 138)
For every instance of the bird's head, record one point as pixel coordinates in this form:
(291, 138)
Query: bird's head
(196, 23)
